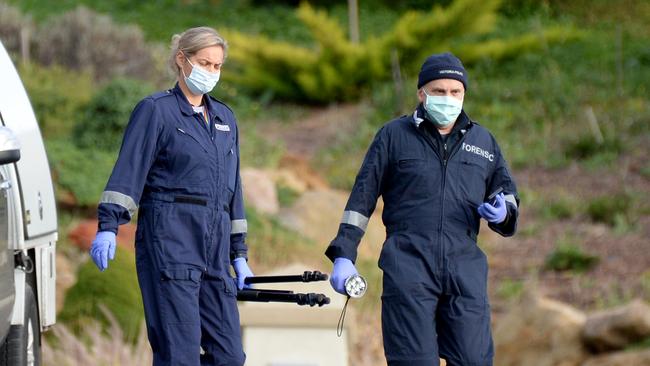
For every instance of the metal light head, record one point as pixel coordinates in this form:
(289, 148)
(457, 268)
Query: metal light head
(356, 286)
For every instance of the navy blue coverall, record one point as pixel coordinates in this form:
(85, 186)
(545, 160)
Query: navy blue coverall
(182, 175)
(434, 300)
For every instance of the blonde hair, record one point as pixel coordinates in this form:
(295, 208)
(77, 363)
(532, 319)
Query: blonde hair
(192, 41)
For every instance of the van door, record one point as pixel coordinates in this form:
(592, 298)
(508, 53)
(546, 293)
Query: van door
(6, 257)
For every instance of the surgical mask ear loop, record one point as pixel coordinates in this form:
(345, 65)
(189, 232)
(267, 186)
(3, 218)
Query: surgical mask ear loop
(339, 326)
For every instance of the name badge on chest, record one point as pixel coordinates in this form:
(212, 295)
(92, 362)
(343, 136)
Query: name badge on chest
(224, 128)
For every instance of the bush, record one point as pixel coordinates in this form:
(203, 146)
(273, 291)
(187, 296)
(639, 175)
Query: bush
(257, 151)
(106, 116)
(558, 209)
(80, 172)
(57, 96)
(96, 347)
(286, 195)
(510, 289)
(271, 244)
(586, 147)
(82, 39)
(116, 288)
(82, 166)
(338, 70)
(12, 25)
(569, 257)
(611, 209)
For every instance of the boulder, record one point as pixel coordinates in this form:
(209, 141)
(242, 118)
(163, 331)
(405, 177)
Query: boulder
(616, 328)
(539, 332)
(299, 166)
(260, 191)
(84, 233)
(289, 179)
(637, 358)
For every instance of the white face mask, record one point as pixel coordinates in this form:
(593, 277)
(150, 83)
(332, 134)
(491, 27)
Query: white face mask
(200, 81)
(442, 110)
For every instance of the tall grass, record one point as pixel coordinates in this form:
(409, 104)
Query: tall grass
(96, 347)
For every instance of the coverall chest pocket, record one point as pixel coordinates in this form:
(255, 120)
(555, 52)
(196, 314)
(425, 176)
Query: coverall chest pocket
(188, 158)
(414, 177)
(473, 174)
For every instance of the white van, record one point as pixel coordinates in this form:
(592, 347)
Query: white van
(28, 226)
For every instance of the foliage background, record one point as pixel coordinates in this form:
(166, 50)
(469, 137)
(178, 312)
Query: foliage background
(539, 71)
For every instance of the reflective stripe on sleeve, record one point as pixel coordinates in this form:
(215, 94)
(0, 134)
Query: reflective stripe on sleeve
(238, 227)
(119, 199)
(355, 219)
(511, 198)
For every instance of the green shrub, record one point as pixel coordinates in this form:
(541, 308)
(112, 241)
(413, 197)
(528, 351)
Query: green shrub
(286, 195)
(57, 96)
(80, 172)
(342, 161)
(257, 151)
(116, 288)
(271, 244)
(570, 257)
(81, 165)
(640, 345)
(104, 119)
(611, 209)
(558, 209)
(336, 69)
(510, 289)
(586, 147)
(645, 171)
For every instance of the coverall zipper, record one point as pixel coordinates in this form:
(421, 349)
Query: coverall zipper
(443, 161)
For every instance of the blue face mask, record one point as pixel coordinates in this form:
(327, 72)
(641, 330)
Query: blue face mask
(200, 81)
(442, 110)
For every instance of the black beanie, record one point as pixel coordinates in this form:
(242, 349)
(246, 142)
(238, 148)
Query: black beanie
(442, 66)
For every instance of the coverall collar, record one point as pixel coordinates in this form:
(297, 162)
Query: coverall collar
(183, 104)
(186, 107)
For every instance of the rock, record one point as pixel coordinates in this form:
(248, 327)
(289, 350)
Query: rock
(636, 358)
(84, 233)
(539, 332)
(616, 328)
(317, 214)
(290, 179)
(259, 191)
(301, 169)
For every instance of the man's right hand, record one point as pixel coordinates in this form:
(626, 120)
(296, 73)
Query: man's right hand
(103, 249)
(343, 268)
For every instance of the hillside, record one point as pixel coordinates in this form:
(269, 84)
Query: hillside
(572, 117)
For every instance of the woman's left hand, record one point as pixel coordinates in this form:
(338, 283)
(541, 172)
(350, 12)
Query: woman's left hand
(242, 270)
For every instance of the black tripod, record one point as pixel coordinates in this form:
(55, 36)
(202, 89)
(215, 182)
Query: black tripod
(261, 295)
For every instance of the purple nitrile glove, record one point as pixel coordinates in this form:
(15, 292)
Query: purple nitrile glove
(242, 271)
(494, 213)
(103, 249)
(343, 268)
